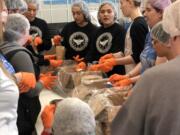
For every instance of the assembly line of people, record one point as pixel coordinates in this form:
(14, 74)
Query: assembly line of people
(146, 54)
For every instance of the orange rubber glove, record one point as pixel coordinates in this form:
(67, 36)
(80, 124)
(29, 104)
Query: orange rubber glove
(106, 67)
(37, 41)
(116, 77)
(122, 83)
(105, 57)
(55, 63)
(47, 116)
(81, 66)
(57, 39)
(95, 67)
(77, 58)
(111, 62)
(27, 82)
(47, 80)
(49, 57)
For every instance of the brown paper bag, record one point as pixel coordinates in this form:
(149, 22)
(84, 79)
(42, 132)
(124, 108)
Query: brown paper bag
(60, 52)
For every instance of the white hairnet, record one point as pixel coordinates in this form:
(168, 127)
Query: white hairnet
(160, 4)
(36, 2)
(15, 27)
(73, 117)
(158, 32)
(113, 7)
(171, 19)
(84, 8)
(16, 5)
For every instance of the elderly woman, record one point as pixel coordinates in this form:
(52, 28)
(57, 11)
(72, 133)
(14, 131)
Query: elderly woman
(77, 35)
(109, 38)
(153, 108)
(160, 41)
(39, 27)
(15, 36)
(71, 117)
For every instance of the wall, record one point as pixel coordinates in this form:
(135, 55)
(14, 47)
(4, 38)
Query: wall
(54, 12)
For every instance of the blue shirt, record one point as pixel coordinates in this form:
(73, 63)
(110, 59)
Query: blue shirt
(148, 55)
(7, 65)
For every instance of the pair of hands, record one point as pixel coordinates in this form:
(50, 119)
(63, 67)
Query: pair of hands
(120, 80)
(52, 60)
(35, 41)
(106, 63)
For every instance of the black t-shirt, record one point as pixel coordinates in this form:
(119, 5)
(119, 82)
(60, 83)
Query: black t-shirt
(108, 40)
(40, 27)
(77, 40)
(138, 32)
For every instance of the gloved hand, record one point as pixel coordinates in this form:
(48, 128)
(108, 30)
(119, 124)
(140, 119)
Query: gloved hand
(106, 67)
(57, 39)
(81, 66)
(111, 61)
(95, 67)
(105, 57)
(47, 115)
(26, 81)
(116, 77)
(50, 57)
(122, 83)
(37, 41)
(55, 63)
(77, 58)
(47, 80)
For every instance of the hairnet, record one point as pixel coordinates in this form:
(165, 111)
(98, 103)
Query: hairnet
(113, 7)
(73, 117)
(171, 19)
(158, 32)
(159, 4)
(84, 8)
(36, 2)
(16, 5)
(15, 27)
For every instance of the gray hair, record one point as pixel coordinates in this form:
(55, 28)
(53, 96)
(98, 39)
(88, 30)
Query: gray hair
(16, 5)
(113, 7)
(15, 27)
(73, 117)
(36, 2)
(159, 33)
(84, 8)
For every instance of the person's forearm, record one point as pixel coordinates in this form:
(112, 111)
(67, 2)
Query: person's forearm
(135, 71)
(118, 55)
(135, 78)
(125, 60)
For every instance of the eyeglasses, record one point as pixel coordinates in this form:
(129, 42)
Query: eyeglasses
(154, 41)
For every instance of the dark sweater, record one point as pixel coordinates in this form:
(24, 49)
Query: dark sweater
(40, 26)
(77, 40)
